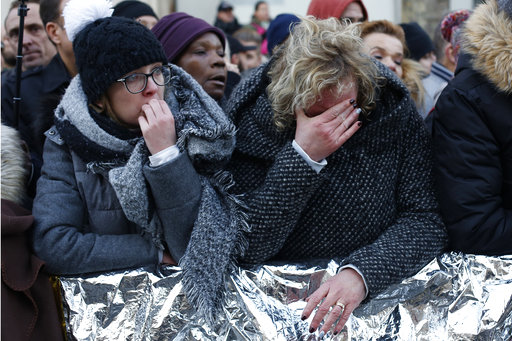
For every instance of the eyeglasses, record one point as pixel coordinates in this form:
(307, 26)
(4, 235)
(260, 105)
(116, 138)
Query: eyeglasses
(137, 82)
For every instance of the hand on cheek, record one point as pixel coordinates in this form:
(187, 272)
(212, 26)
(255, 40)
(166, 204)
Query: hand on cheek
(157, 126)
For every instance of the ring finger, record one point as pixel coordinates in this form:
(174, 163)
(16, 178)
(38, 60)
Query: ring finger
(334, 315)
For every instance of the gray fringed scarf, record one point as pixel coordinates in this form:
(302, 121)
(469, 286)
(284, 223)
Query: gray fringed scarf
(207, 136)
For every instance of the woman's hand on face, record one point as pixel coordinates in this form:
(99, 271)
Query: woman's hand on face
(322, 135)
(157, 126)
(345, 289)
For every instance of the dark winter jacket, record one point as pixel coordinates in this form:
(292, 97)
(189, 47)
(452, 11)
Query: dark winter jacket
(373, 203)
(472, 133)
(228, 27)
(101, 237)
(38, 86)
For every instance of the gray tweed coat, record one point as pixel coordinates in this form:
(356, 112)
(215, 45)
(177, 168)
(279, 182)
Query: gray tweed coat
(373, 203)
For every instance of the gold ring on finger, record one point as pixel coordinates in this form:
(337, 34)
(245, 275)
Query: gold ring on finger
(341, 305)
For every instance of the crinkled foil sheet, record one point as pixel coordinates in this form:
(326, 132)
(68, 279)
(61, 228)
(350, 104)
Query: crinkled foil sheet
(455, 297)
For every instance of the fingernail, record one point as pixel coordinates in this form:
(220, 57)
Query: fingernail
(354, 105)
(358, 110)
(311, 330)
(303, 317)
(352, 101)
(321, 336)
(328, 335)
(359, 123)
(336, 333)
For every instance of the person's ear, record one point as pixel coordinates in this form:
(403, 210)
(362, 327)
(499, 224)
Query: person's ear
(450, 54)
(53, 31)
(235, 59)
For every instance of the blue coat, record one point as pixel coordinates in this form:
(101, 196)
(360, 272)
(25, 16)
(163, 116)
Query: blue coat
(80, 226)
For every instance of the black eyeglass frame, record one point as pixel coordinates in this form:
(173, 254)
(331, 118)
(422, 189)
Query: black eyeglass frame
(147, 75)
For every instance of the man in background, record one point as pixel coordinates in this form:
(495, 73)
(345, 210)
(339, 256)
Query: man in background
(226, 20)
(41, 87)
(37, 48)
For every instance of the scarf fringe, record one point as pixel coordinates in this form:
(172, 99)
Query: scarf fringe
(207, 306)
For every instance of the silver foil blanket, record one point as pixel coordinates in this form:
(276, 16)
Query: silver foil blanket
(455, 297)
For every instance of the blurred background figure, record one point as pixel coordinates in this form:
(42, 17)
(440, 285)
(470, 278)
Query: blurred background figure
(136, 10)
(248, 37)
(37, 48)
(419, 45)
(447, 40)
(42, 87)
(353, 10)
(29, 310)
(385, 42)
(260, 21)
(472, 136)
(421, 49)
(226, 20)
(245, 56)
(279, 30)
(8, 53)
(197, 47)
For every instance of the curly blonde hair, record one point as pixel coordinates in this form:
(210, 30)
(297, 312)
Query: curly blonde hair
(319, 55)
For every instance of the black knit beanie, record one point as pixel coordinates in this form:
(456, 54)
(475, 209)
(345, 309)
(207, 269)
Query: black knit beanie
(105, 47)
(109, 48)
(132, 9)
(417, 40)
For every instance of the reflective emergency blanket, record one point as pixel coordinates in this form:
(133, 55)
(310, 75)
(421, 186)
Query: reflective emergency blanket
(455, 297)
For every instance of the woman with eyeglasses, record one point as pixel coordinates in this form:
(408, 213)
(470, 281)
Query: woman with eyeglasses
(129, 169)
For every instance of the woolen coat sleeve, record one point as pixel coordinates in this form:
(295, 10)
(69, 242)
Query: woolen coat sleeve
(470, 131)
(176, 189)
(418, 234)
(61, 234)
(275, 207)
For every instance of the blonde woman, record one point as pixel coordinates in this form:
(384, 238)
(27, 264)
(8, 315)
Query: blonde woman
(334, 162)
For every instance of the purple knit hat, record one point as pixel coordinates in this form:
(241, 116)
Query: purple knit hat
(177, 31)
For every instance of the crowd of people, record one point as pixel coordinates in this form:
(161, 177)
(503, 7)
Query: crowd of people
(147, 141)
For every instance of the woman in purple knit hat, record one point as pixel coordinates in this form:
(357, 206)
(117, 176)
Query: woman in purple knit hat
(197, 47)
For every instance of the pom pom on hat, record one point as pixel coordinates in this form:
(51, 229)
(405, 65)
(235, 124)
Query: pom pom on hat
(106, 48)
(79, 13)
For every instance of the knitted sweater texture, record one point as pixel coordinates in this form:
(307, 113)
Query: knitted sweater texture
(373, 204)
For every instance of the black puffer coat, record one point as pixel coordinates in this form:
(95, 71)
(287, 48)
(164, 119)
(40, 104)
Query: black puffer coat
(472, 131)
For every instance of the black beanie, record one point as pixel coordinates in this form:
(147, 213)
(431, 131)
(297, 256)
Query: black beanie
(132, 9)
(418, 41)
(109, 48)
